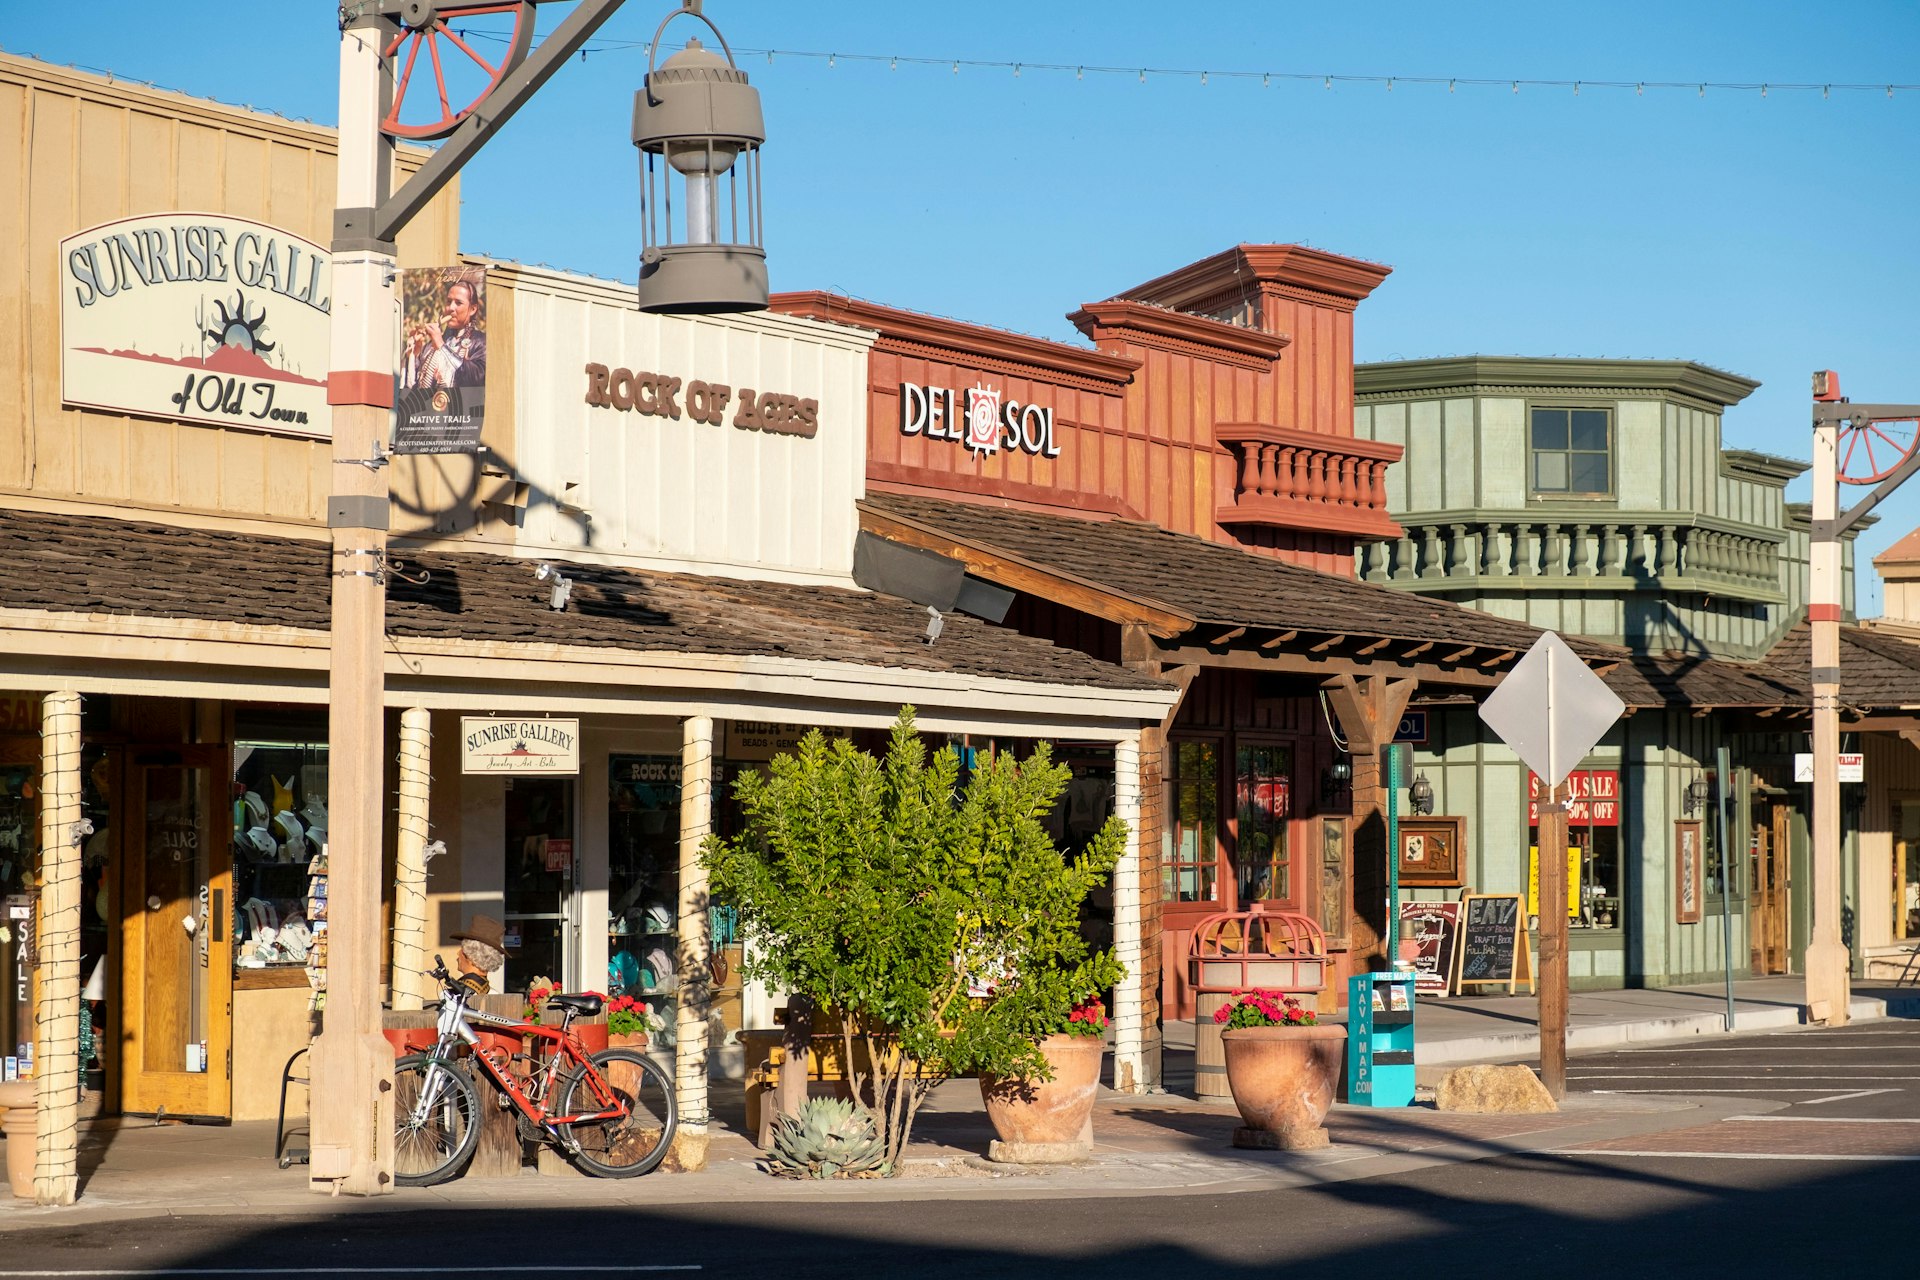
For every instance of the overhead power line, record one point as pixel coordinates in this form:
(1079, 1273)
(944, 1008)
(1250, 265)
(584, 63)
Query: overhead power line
(1326, 80)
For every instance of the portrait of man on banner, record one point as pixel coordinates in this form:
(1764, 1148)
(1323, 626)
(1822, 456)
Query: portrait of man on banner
(443, 360)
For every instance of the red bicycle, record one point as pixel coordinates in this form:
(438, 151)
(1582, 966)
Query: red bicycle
(611, 1113)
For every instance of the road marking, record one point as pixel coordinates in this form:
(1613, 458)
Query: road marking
(1842, 1097)
(1696, 1075)
(525, 1268)
(1782, 1089)
(1825, 1119)
(1823, 1047)
(1737, 1155)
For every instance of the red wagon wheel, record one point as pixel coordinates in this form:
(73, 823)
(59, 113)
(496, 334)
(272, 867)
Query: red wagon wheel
(1871, 449)
(469, 49)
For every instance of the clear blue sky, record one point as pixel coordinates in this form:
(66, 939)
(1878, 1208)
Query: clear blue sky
(1768, 236)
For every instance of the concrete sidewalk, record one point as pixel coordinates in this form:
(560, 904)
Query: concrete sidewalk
(1156, 1144)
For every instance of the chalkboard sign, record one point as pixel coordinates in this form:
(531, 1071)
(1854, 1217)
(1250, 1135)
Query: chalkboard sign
(1434, 929)
(1493, 941)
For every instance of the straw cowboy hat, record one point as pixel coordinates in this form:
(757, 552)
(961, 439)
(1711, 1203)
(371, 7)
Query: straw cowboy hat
(485, 929)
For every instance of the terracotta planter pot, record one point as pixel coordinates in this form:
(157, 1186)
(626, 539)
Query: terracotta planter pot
(19, 1116)
(1283, 1081)
(619, 1075)
(1047, 1121)
(407, 1040)
(591, 1035)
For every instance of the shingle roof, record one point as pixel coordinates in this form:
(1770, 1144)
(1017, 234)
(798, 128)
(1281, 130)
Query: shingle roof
(84, 564)
(1222, 586)
(1876, 669)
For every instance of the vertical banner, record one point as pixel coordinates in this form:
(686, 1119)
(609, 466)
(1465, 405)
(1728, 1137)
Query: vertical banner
(443, 360)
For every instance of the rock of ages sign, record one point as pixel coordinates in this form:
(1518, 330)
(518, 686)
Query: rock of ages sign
(1551, 709)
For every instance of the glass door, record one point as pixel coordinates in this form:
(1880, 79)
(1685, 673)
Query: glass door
(176, 944)
(539, 881)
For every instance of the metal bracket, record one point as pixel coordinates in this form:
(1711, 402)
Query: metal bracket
(379, 459)
(378, 573)
(353, 233)
(358, 512)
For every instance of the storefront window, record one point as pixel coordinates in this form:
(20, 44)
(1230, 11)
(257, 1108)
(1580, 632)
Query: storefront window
(1190, 850)
(1333, 876)
(643, 884)
(279, 798)
(1593, 827)
(1262, 802)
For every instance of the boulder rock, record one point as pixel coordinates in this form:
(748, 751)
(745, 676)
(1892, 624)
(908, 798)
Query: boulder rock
(1502, 1090)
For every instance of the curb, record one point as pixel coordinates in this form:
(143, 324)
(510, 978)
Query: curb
(1526, 1044)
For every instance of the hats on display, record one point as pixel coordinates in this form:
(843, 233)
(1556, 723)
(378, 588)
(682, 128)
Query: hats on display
(484, 929)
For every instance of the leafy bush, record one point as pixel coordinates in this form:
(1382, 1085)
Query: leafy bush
(884, 890)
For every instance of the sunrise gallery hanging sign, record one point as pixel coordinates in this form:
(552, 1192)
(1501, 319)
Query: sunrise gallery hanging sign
(197, 317)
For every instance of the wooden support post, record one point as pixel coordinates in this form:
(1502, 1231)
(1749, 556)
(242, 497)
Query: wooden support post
(795, 1046)
(405, 980)
(1129, 927)
(689, 1154)
(1369, 710)
(56, 1170)
(500, 1153)
(1553, 943)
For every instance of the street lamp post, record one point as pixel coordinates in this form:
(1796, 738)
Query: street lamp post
(1851, 445)
(352, 1067)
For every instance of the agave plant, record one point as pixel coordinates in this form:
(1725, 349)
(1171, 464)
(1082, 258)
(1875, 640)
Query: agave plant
(827, 1138)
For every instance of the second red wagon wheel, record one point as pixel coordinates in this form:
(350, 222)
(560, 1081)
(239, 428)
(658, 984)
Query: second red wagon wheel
(1871, 449)
(447, 57)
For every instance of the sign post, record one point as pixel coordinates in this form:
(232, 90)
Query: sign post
(1578, 709)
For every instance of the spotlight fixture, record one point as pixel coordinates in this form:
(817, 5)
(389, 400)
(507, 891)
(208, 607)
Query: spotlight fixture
(561, 584)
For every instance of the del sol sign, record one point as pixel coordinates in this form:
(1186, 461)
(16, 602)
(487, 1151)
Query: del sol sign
(498, 744)
(978, 418)
(197, 317)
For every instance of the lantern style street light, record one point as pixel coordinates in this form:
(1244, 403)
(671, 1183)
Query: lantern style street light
(698, 126)
(396, 57)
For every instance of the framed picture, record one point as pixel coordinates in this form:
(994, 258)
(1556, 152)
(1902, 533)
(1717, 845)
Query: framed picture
(1429, 852)
(1689, 863)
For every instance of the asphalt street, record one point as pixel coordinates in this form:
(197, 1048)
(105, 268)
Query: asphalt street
(1815, 1174)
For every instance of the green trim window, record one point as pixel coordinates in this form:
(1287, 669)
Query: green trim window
(1570, 451)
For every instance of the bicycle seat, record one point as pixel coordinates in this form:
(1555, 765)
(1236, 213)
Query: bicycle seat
(586, 1004)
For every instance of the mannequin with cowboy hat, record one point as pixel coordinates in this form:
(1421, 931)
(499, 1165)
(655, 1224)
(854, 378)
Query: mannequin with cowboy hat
(483, 949)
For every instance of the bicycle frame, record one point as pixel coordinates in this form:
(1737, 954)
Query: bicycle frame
(560, 1055)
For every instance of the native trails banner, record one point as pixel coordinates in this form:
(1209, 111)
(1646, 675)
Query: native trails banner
(491, 744)
(442, 399)
(197, 317)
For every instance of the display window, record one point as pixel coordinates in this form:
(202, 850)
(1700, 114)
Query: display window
(1263, 789)
(540, 866)
(279, 805)
(643, 882)
(1190, 849)
(1906, 869)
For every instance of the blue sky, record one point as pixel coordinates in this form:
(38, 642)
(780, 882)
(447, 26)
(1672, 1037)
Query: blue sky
(1770, 236)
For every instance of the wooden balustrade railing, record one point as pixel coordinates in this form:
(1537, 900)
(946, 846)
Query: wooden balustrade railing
(1304, 480)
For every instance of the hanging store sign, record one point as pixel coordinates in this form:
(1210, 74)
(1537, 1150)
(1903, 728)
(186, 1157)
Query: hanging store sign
(1853, 766)
(197, 317)
(761, 739)
(498, 745)
(977, 418)
(1593, 798)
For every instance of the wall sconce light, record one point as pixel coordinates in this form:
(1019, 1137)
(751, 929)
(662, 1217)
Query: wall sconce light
(1338, 777)
(562, 586)
(1694, 798)
(1420, 795)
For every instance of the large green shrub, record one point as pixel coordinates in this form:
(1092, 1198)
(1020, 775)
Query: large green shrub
(880, 888)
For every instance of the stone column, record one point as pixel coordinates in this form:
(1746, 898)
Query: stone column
(408, 985)
(1130, 1073)
(56, 1053)
(689, 1152)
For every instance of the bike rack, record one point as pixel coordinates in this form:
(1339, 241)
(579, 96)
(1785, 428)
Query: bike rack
(282, 1155)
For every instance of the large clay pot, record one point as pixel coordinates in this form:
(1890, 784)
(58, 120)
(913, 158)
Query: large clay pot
(19, 1113)
(1047, 1121)
(411, 1040)
(1283, 1081)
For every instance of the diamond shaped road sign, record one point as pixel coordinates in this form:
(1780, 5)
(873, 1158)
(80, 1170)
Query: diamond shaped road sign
(1551, 709)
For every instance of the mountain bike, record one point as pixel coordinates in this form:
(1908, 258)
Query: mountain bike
(611, 1113)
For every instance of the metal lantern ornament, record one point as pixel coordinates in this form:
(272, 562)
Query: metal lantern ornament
(698, 126)
(1420, 795)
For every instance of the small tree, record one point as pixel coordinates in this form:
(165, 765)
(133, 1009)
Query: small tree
(884, 890)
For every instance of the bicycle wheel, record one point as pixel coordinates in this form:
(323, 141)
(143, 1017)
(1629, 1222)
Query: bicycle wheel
(436, 1121)
(630, 1146)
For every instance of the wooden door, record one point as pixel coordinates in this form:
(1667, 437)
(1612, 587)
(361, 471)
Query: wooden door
(1767, 890)
(176, 1007)
(1196, 879)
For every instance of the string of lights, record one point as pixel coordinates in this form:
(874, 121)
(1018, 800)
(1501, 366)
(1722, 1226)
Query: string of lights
(1017, 68)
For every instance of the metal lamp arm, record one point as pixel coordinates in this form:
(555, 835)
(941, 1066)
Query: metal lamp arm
(687, 9)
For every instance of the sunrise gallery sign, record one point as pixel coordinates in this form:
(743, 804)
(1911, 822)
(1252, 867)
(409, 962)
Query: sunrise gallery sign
(197, 317)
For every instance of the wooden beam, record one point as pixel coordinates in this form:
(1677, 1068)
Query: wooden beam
(1007, 570)
(1226, 636)
(1278, 640)
(1327, 644)
(1296, 663)
(1369, 708)
(1418, 649)
(1458, 654)
(1499, 658)
(1376, 645)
